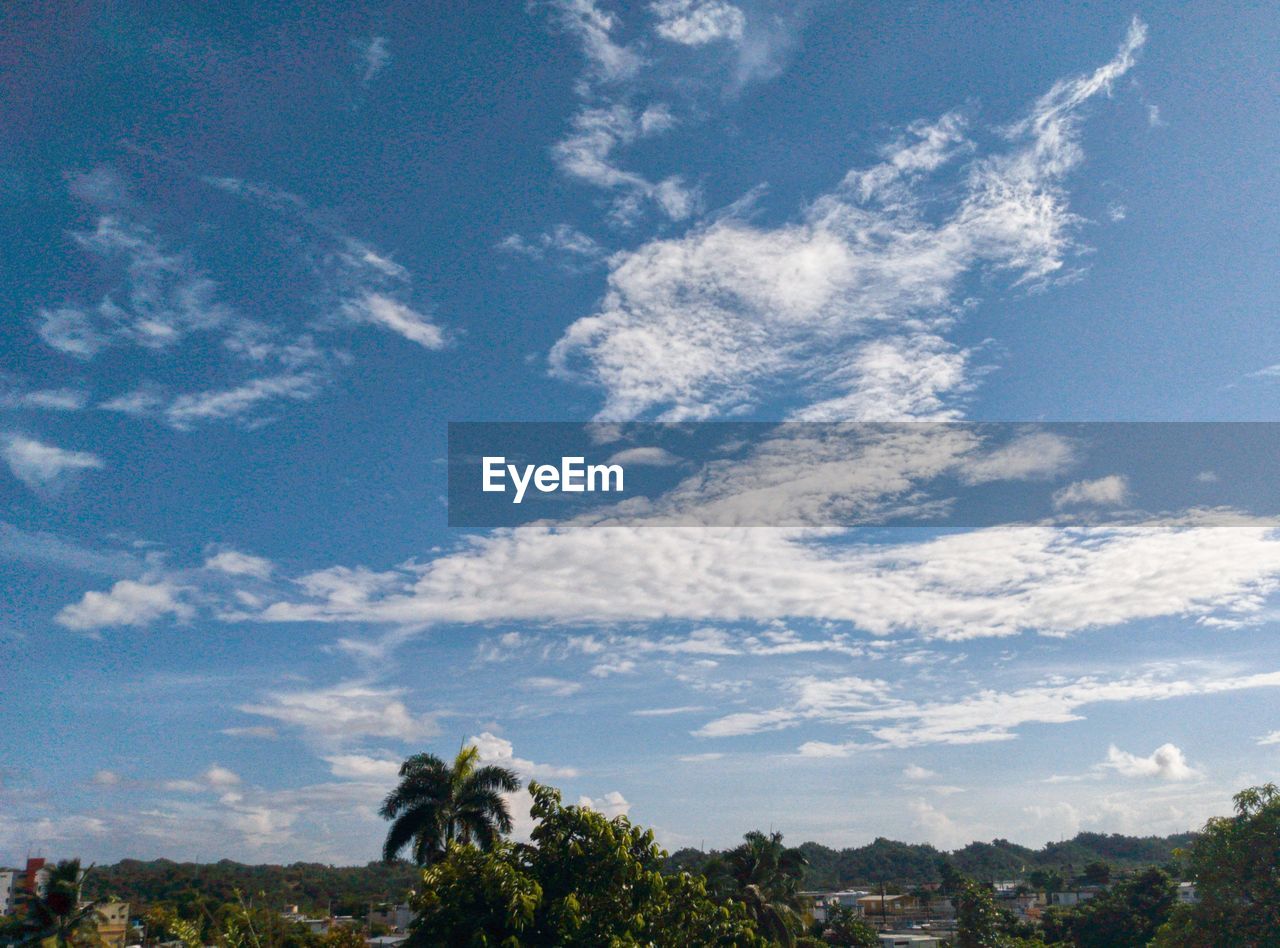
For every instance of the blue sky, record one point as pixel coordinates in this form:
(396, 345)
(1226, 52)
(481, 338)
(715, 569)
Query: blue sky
(255, 260)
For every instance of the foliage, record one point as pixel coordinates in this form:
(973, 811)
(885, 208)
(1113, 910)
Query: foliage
(436, 804)
(58, 916)
(1234, 864)
(980, 923)
(846, 928)
(189, 890)
(912, 865)
(764, 875)
(1125, 916)
(585, 880)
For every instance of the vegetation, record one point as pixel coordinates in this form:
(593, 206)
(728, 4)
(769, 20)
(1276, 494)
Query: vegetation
(764, 875)
(189, 889)
(437, 804)
(59, 917)
(585, 880)
(1235, 862)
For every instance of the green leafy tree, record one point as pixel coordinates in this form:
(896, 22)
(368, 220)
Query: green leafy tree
(436, 804)
(584, 880)
(1096, 873)
(1234, 864)
(980, 923)
(56, 915)
(1048, 881)
(765, 875)
(1125, 916)
(846, 928)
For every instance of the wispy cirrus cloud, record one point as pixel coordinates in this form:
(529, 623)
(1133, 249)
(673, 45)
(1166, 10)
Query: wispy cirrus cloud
(854, 301)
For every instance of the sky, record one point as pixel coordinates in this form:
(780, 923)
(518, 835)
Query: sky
(257, 257)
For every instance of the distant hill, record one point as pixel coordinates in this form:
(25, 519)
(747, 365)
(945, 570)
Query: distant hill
(345, 890)
(912, 864)
(348, 890)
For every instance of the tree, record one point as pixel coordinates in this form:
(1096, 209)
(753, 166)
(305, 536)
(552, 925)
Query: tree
(1047, 881)
(844, 927)
(584, 880)
(1233, 862)
(980, 923)
(436, 804)
(1096, 873)
(765, 876)
(1125, 916)
(58, 914)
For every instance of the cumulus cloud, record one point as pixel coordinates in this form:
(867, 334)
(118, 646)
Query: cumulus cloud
(128, 602)
(499, 750)
(1166, 762)
(853, 301)
(612, 804)
(38, 465)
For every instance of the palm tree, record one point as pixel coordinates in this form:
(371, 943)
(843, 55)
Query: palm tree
(58, 913)
(765, 876)
(437, 804)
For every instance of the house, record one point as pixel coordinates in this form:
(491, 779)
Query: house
(395, 917)
(113, 923)
(880, 906)
(1187, 893)
(8, 890)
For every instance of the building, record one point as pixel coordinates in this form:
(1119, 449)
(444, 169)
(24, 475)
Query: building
(8, 890)
(113, 924)
(909, 940)
(1187, 893)
(395, 917)
(823, 901)
(888, 906)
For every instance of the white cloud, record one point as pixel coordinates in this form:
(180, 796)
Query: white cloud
(644, 457)
(697, 22)
(1105, 491)
(345, 712)
(875, 709)
(374, 56)
(380, 310)
(1166, 762)
(594, 27)
(255, 731)
(106, 778)
(128, 602)
(363, 768)
(852, 302)
(186, 410)
(48, 399)
(611, 804)
(566, 241)
(991, 582)
(587, 154)
(915, 772)
(679, 709)
(37, 464)
(1269, 739)
(235, 563)
(219, 777)
(556, 687)
(498, 750)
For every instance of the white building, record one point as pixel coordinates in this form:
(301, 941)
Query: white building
(822, 900)
(1187, 893)
(909, 940)
(8, 889)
